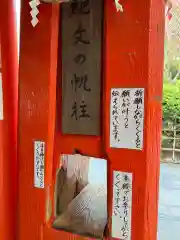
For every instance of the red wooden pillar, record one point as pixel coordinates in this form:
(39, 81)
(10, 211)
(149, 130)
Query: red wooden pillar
(8, 126)
(133, 58)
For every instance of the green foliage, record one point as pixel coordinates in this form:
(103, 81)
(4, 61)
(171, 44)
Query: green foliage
(171, 100)
(171, 61)
(173, 69)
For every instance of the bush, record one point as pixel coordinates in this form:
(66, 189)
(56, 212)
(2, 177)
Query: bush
(171, 101)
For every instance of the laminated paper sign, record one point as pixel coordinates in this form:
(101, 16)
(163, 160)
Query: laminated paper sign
(122, 205)
(127, 118)
(39, 156)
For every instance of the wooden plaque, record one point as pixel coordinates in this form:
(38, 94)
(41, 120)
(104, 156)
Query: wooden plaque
(81, 67)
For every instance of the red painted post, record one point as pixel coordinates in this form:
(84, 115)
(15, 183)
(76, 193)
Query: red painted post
(133, 58)
(8, 126)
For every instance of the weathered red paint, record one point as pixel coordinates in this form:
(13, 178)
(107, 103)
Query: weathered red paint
(8, 126)
(132, 57)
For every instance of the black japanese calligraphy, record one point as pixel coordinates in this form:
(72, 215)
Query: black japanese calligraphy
(39, 164)
(80, 7)
(138, 101)
(115, 116)
(126, 178)
(115, 106)
(126, 186)
(125, 204)
(80, 82)
(115, 93)
(81, 78)
(124, 232)
(139, 93)
(127, 113)
(138, 115)
(125, 107)
(117, 203)
(79, 112)
(74, 111)
(80, 59)
(118, 176)
(83, 110)
(116, 132)
(125, 93)
(80, 35)
(122, 203)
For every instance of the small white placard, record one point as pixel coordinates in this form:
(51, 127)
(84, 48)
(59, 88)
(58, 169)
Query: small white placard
(1, 99)
(127, 118)
(122, 205)
(39, 156)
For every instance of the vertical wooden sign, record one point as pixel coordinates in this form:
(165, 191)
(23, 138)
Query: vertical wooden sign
(81, 67)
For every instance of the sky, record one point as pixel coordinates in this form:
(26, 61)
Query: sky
(97, 171)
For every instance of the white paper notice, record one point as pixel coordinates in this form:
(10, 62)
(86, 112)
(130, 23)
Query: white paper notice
(127, 118)
(39, 156)
(122, 205)
(1, 99)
